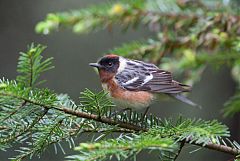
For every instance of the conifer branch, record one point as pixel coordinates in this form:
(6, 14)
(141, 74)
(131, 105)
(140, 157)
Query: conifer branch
(221, 148)
(125, 125)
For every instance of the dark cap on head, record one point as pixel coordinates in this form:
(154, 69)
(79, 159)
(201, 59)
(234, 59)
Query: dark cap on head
(108, 63)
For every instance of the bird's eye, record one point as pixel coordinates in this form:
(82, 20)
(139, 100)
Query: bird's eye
(110, 64)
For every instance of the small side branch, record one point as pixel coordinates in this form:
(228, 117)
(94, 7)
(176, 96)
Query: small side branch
(218, 147)
(15, 111)
(182, 143)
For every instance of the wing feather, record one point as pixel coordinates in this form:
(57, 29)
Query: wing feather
(141, 76)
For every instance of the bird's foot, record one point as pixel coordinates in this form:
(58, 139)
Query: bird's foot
(120, 112)
(144, 115)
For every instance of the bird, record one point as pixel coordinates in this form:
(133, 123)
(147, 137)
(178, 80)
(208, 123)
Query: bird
(135, 84)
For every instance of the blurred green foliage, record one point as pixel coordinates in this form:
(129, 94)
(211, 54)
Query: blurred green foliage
(189, 35)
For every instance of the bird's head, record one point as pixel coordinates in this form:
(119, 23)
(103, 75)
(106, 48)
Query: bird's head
(107, 66)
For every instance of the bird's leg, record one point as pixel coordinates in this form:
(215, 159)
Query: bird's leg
(121, 111)
(145, 113)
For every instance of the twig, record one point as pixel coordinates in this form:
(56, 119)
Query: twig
(15, 111)
(218, 147)
(3, 127)
(102, 119)
(89, 130)
(182, 143)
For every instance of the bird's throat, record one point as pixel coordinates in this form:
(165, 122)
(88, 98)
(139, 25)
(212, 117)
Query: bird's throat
(105, 76)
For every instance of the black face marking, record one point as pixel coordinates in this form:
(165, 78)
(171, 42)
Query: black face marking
(109, 64)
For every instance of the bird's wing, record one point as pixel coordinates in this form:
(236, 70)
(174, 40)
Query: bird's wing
(147, 77)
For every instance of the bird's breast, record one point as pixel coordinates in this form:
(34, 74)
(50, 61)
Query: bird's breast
(125, 98)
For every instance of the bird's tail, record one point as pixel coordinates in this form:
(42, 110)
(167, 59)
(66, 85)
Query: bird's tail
(185, 100)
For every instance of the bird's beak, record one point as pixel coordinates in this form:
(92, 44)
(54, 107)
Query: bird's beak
(96, 65)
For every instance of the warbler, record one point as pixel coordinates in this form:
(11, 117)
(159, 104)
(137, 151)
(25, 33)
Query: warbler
(135, 84)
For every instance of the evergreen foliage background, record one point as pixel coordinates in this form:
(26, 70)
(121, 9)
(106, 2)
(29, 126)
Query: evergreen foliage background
(71, 44)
